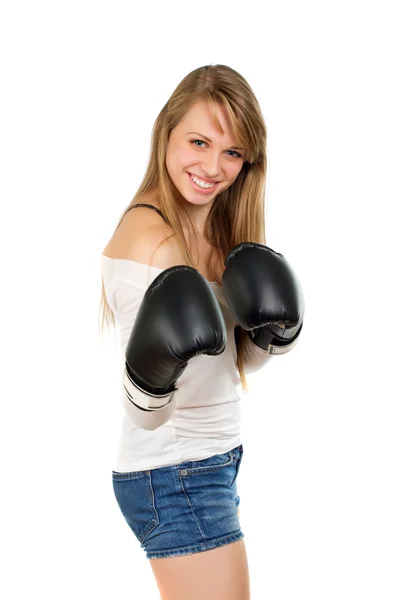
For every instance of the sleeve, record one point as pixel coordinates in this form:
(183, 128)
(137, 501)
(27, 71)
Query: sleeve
(146, 411)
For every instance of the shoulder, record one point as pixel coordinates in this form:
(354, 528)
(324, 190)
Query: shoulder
(143, 236)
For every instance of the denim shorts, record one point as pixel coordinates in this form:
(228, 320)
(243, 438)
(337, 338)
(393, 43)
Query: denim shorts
(185, 508)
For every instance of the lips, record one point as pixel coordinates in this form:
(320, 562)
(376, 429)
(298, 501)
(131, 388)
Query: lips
(202, 190)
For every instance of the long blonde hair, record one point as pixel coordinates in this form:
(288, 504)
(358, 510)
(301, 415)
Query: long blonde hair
(237, 214)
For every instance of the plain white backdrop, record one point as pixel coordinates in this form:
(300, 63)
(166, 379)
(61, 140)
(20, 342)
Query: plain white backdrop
(82, 83)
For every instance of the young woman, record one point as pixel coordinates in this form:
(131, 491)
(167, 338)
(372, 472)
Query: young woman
(199, 301)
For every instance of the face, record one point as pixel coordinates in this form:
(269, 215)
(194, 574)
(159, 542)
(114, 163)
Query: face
(196, 148)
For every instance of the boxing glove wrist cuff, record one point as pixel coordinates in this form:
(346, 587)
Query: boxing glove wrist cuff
(274, 339)
(143, 399)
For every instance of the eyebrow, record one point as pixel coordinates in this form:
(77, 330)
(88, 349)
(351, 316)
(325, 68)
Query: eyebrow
(208, 139)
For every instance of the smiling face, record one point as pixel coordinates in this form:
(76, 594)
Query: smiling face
(197, 148)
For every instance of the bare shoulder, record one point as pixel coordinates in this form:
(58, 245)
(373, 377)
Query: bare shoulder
(143, 236)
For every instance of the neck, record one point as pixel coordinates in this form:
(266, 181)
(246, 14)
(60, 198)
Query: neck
(198, 216)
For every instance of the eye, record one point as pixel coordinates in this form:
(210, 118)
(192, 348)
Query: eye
(201, 141)
(238, 155)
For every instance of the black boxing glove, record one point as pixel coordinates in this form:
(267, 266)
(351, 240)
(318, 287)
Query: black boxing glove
(178, 318)
(264, 295)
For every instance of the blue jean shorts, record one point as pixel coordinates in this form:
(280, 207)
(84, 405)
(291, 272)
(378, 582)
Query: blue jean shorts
(185, 508)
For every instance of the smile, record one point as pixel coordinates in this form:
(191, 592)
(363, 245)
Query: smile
(202, 185)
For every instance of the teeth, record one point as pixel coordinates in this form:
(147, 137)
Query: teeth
(201, 183)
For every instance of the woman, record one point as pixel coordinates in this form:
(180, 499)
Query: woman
(199, 301)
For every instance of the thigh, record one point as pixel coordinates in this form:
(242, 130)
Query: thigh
(218, 574)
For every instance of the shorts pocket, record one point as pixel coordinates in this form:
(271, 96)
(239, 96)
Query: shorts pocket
(208, 465)
(135, 497)
(225, 465)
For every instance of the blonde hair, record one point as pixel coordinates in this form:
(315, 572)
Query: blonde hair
(237, 214)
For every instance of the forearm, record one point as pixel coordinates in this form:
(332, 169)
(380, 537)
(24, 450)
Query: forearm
(254, 357)
(146, 411)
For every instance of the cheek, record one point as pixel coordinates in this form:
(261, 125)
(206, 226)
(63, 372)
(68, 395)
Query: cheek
(178, 159)
(175, 159)
(233, 171)
(188, 157)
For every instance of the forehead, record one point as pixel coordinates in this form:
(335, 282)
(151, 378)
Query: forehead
(200, 117)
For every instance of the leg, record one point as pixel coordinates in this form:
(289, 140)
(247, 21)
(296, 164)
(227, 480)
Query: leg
(218, 574)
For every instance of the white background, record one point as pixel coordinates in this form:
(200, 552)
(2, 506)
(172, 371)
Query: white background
(82, 83)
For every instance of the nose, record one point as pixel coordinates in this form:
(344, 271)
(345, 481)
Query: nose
(211, 166)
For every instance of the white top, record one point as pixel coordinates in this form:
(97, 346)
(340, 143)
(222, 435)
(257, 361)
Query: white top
(204, 417)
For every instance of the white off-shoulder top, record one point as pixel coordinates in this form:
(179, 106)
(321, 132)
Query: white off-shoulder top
(204, 416)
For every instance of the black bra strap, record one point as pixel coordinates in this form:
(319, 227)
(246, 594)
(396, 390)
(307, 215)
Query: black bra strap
(151, 206)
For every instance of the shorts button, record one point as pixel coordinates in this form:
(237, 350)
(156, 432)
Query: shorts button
(184, 472)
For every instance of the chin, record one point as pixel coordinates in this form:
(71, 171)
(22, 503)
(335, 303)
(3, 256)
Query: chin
(198, 201)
